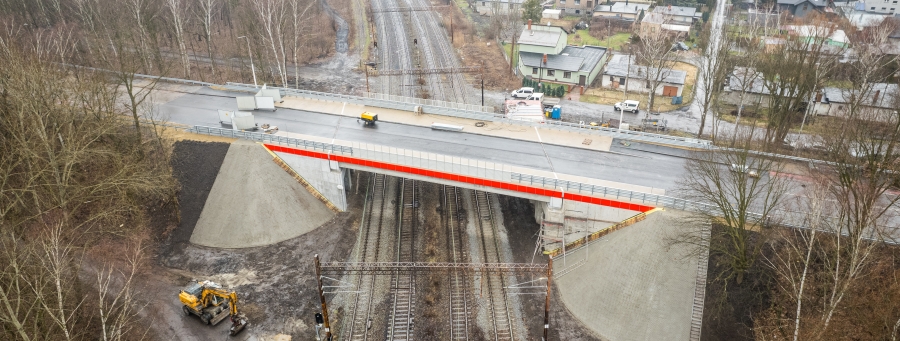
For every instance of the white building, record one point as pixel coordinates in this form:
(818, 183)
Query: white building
(619, 72)
(493, 7)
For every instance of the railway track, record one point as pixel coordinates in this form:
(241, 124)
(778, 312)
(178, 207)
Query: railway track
(361, 316)
(500, 319)
(403, 285)
(458, 299)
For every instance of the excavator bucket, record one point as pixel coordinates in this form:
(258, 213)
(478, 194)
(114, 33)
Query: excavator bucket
(238, 323)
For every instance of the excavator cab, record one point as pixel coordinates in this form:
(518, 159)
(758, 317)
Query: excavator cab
(212, 304)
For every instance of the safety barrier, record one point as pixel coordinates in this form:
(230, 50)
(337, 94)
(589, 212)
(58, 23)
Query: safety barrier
(609, 192)
(289, 141)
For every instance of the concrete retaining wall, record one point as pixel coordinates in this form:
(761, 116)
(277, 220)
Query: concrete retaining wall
(323, 175)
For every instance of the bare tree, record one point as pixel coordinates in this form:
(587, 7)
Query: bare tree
(299, 17)
(177, 13)
(714, 63)
(272, 19)
(205, 12)
(741, 196)
(655, 52)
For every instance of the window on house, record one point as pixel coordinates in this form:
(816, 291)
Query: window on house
(590, 4)
(873, 8)
(563, 2)
(805, 7)
(577, 11)
(510, 6)
(483, 3)
(578, 2)
(883, 9)
(551, 73)
(611, 79)
(622, 80)
(534, 71)
(567, 75)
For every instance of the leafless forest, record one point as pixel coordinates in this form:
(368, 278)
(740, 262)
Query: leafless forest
(196, 39)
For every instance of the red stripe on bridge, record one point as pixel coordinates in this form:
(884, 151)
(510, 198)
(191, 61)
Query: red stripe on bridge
(461, 178)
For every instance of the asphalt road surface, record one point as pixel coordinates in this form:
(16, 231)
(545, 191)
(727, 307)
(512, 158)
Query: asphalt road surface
(645, 165)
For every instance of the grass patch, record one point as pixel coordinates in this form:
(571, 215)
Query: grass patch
(583, 37)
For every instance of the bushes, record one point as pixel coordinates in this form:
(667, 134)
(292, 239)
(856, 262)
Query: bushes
(552, 90)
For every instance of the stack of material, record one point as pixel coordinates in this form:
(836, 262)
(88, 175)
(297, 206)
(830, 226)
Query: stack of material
(524, 110)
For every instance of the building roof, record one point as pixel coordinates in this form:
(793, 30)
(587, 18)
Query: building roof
(747, 79)
(835, 35)
(887, 95)
(675, 10)
(666, 23)
(592, 56)
(621, 7)
(619, 66)
(541, 35)
(817, 3)
(554, 61)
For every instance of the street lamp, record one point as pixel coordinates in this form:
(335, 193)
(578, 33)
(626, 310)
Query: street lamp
(252, 69)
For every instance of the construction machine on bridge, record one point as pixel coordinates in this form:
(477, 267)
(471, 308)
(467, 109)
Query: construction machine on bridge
(212, 304)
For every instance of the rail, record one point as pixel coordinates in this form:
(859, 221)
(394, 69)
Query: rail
(269, 138)
(430, 102)
(392, 267)
(609, 192)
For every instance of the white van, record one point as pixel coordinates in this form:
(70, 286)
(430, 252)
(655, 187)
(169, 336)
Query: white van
(522, 93)
(629, 105)
(537, 96)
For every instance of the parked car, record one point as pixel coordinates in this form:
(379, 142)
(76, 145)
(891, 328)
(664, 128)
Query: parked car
(522, 93)
(744, 169)
(629, 105)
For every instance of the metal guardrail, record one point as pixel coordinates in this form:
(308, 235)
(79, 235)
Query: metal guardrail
(269, 138)
(429, 102)
(621, 194)
(143, 76)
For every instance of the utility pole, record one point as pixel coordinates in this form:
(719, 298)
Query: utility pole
(547, 300)
(322, 298)
(482, 84)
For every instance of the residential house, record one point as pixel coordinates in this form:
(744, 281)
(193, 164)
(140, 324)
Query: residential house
(888, 7)
(653, 22)
(678, 14)
(543, 55)
(802, 8)
(750, 84)
(819, 34)
(621, 71)
(493, 7)
(881, 99)
(621, 11)
(576, 7)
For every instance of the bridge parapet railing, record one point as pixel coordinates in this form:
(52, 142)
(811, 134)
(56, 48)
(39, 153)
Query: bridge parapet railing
(276, 139)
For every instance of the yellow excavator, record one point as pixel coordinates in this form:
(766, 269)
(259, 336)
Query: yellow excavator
(212, 304)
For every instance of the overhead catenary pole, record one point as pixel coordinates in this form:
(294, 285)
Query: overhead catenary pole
(322, 298)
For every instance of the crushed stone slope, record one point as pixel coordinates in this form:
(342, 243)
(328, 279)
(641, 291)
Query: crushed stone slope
(254, 203)
(634, 286)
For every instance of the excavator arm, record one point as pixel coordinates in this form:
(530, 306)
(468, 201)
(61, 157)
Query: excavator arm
(238, 320)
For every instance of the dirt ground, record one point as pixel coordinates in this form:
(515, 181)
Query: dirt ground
(275, 283)
(729, 316)
(518, 214)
